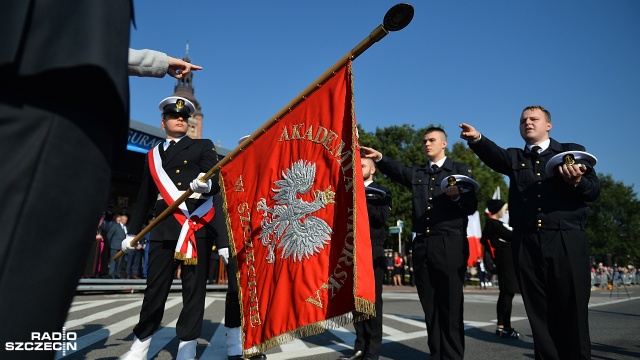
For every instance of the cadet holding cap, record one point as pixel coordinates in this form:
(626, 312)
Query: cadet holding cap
(464, 183)
(183, 238)
(440, 249)
(570, 158)
(548, 212)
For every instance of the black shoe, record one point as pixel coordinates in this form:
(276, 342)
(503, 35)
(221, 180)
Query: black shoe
(498, 331)
(355, 356)
(510, 333)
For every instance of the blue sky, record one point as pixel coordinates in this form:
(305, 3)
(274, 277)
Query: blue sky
(479, 62)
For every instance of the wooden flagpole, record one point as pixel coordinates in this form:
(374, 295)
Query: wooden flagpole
(396, 18)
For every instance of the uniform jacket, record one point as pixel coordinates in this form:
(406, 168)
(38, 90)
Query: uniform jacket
(379, 211)
(493, 231)
(183, 163)
(433, 211)
(55, 47)
(538, 200)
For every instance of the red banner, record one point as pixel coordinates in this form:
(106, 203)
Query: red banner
(297, 221)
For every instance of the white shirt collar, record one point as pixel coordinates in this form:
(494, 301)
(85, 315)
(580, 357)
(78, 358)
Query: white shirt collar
(166, 142)
(439, 162)
(543, 145)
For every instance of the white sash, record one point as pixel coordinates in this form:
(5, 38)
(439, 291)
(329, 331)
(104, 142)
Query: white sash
(189, 222)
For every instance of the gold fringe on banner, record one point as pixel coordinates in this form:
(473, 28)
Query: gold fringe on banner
(299, 333)
(183, 257)
(365, 307)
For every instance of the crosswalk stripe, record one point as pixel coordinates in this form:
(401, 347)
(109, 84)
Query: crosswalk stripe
(390, 331)
(167, 333)
(345, 336)
(412, 322)
(318, 350)
(476, 324)
(161, 338)
(110, 330)
(295, 345)
(89, 304)
(102, 314)
(397, 328)
(405, 336)
(104, 333)
(217, 344)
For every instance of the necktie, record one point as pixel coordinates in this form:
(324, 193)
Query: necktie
(169, 148)
(535, 151)
(434, 167)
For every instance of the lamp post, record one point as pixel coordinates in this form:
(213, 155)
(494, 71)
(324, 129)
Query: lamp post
(400, 224)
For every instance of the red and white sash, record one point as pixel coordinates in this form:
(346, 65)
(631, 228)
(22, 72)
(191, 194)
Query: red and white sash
(186, 248)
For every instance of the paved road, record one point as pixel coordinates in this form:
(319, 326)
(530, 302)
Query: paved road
(103, 323)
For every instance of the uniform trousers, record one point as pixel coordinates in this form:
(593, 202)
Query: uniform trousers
(369, 332)
(162, 267)
(440, 264)
(50, 168)
(232, 310)
(554, 275)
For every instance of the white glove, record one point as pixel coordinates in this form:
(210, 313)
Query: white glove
(224, 255)
(126, 244)
(200, 187)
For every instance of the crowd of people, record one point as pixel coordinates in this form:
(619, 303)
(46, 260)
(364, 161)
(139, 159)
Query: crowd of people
(605, 277)
(399, 268)
(133, 265)
(602, 276)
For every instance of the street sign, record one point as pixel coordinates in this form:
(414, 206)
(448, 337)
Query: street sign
(394, 229)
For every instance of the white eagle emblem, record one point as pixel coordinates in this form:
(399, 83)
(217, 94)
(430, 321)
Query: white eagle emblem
(299, 233)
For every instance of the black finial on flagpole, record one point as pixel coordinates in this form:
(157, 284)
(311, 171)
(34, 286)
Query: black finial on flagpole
(399, 16)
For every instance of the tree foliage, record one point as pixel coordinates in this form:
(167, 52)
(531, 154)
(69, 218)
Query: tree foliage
(613, 225)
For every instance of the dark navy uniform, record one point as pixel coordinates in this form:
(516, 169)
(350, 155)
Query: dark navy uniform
(64, 111)
(440, 249)
(369, 332)
(183, 162)
(495, 234)
(549, 244)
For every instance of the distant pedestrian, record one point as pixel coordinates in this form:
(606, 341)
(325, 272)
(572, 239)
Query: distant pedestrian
(117, 232)
(397, 269)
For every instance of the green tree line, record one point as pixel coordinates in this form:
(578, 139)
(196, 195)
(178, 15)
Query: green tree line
(613, 226)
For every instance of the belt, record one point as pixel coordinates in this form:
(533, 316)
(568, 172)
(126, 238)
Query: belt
(195, 195)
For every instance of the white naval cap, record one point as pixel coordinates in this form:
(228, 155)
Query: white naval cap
(464, 182)
(570, 158)
(177, 104)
